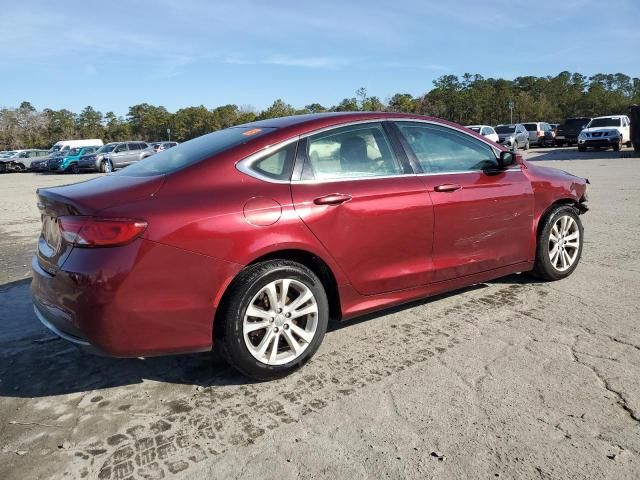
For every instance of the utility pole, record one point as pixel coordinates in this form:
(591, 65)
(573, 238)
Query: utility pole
(169, 133)
(511, 107)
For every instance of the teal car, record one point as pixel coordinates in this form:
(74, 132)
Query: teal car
(70, 161)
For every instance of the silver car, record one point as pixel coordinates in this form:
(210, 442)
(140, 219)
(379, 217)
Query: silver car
(116, 155)
(20, 160)
(513, 136)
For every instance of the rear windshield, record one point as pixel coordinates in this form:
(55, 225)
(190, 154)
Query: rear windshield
(531, 127)
(505, 128)
(193, 151)
(604, 122)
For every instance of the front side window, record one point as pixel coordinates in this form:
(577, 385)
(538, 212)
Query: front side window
(442, 149)
(357, 151)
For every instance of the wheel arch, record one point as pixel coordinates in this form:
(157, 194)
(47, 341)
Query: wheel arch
(567, 201)
(304, 257)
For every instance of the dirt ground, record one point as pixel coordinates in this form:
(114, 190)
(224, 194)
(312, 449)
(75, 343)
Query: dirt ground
(508, 379)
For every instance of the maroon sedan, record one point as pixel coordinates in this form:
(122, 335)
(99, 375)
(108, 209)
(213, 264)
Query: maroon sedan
(254, 236)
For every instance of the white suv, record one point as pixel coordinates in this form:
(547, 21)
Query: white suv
(612, 131)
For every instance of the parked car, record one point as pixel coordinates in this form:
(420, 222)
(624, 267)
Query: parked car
(611, 131)
(115, 155)
(20, 160)
(69, 144)
(159, 146)
(513, 136)
(70, 161)
(486, 131)
(569, 130)
(253, 236)
(540, 133)
(41, 164)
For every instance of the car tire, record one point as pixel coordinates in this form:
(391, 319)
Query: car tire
(558, 251)
(275, 342)
(106, 166)
(514, 147)
(582, 149)
(636, 148)
(616, 146)
(73, 168)
(527, 145)
(559, 144)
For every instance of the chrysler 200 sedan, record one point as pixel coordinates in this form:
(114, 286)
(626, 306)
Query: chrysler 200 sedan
(252, 237)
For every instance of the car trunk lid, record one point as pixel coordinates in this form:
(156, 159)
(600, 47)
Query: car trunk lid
(85, 198)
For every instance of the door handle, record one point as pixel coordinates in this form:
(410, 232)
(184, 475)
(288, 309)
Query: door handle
(332, 199)
(447, 187)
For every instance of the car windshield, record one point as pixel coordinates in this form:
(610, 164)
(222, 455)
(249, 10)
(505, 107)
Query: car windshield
(73, 152)
(107, 148)
(531, 127)
(604, 122)
(475, 129)
(194, 151)
(506, 128)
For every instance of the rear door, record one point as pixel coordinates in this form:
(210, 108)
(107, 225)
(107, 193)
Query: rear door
(360, 198)
(483, 216)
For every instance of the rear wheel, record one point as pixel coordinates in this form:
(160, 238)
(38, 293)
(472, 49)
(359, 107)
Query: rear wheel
(73, 168)
(273, 320)
(559, 244)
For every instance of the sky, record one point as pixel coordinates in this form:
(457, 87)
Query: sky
(180, 53)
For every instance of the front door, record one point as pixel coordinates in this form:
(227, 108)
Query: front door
(372, 215)
(483, 216)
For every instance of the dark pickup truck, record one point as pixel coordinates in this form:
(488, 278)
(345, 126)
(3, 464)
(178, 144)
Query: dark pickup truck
(569, 130)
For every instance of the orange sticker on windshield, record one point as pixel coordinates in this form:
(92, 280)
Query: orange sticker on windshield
(253, 131)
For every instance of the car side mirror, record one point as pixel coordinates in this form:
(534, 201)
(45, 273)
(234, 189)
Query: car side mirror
(506, 159)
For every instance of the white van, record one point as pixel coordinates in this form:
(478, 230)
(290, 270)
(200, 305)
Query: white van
(63, 145)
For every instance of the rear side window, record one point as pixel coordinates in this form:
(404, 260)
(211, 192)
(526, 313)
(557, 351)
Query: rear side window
(194, 151)
(441, 149)
(357, 151)
(277, 165)
(531, 127)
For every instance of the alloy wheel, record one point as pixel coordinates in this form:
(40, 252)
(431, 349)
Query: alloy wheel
(564, 243)
(280, 322)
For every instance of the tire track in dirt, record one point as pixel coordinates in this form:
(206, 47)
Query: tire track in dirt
(222, 416)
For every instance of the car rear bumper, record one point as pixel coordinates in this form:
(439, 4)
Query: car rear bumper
(142, 299)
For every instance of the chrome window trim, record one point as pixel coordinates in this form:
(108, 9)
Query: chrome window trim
(433, 174)
(244, 165)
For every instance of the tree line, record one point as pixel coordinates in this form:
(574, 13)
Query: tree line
(469, 99)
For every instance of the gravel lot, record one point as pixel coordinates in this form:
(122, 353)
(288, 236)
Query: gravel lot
(509, 379)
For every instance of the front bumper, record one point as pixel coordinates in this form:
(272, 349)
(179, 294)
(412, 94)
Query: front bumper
(598, 142)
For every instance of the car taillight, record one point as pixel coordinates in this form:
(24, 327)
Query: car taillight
(85, 231)
(538, 133)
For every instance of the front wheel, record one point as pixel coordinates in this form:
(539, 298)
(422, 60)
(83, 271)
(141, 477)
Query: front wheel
(106, 166)
(616, 146)
(74, 168)
(273, 320)
(559, 244)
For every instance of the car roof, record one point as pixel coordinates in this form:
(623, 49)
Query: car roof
(300, 124)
